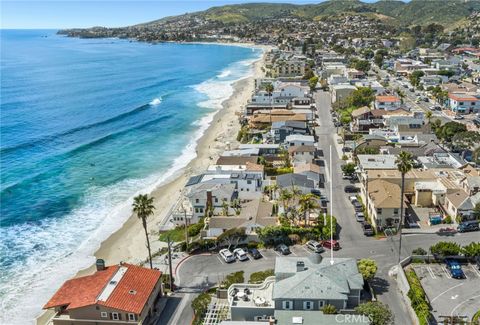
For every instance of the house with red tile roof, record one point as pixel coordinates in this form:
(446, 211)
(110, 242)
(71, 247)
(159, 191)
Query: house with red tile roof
(464, 103)
(387, 103)
(117, 294)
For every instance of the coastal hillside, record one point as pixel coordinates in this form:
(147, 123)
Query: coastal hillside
(259, 21)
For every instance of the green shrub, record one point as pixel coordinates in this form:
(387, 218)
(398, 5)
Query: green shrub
(447, 220)
(199, 306)
(259, 277)
(236, 277)
(252, 244)
(445, 248)
(329, 309)
(418, 298)
(419, 251)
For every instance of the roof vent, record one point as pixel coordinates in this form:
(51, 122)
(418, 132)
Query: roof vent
(113, 282)
(132, 292)
(300, 266)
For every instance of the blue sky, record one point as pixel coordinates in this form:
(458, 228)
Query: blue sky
(110, 13)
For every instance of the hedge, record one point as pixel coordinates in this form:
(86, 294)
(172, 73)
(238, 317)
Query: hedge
(199, 306)
(418, 298)
(259, 277)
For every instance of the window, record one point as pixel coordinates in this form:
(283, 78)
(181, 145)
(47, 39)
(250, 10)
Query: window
(287, 305)
(379, 211)
(395, 211)
(216, 200)
(103, 314)
(460, 103)
(307, 305)
(249, 182)
(197, 200)
(115, 316)
(321, 303)
(131, 316)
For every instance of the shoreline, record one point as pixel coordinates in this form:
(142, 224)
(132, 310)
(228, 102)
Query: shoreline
(127, 244)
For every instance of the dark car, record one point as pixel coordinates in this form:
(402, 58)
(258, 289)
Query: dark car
(357, 206)
(283, 249)
(468, 226)
(367, 229)
(455, 269)
(351, 189)
(255, 253)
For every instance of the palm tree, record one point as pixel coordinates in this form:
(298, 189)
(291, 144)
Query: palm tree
(269, 89)
(285, 197)
(428, 115)
(307, 204)
(143, 207)
(225, 208)
(404, 163)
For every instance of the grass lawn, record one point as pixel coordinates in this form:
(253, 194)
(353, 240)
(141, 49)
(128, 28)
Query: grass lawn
(176, 235)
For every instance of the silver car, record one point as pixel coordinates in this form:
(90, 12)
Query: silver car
(315, 246)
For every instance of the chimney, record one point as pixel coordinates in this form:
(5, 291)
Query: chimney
(300, 266)
(100, 264)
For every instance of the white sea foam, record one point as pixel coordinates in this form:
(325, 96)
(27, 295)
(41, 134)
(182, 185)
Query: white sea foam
(156, 101)
(224, 73)
(61, 247)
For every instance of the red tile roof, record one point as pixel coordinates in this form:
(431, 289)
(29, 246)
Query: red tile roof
(462, 97)
(83, 291)
(387, 99)
(130, 294)
(134, 289)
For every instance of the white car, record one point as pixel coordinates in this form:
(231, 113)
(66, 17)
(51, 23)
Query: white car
(240, 254)
(227, 255)
(352, 198)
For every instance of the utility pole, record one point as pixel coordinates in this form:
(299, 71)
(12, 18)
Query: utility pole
(186, 227)
(170, 263)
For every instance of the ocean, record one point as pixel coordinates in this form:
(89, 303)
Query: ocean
(85, 125)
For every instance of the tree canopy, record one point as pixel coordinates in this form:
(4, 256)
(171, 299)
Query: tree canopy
(378, 313)
(368, 268)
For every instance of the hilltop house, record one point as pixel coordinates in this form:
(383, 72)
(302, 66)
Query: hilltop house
(117, 294)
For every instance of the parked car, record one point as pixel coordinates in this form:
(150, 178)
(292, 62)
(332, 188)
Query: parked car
(357, 206)
(283, 249)
(240, 254)
(351, 189)
(455, 269)
(476, 121)
(360, 216)
(352, 198)
(468, 226)
(367, 229)
(227, 255)
(346, 176)
(315, 246)
(255, 253)
(331, 244)
(458, 117)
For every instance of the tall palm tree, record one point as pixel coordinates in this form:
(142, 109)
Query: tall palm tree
(269, 89)
(307, 204)
(143, 207)
(404, 163)
(285, 197)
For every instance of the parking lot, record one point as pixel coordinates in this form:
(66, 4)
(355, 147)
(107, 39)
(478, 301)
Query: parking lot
(457, 297)
(212, 268)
